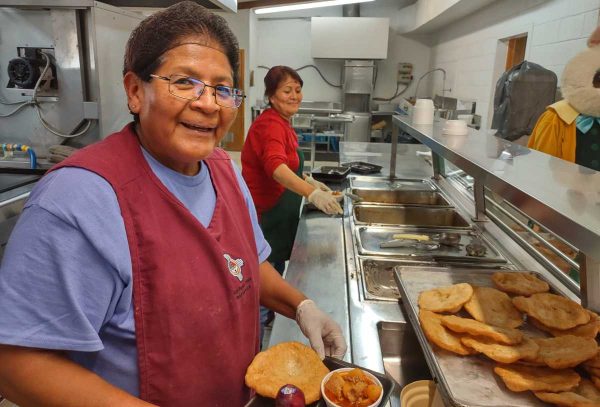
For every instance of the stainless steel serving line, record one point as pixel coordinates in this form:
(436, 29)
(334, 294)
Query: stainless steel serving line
(357, 289)
(562, 196)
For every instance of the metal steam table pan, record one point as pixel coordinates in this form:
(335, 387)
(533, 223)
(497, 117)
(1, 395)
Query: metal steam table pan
(396, 184)
(400, 196)
(369, 239)
(415, 216)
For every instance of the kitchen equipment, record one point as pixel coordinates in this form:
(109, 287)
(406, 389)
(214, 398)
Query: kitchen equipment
(407, 243)
(330, 174)
(419, 216)
(476, 248)
(402, 197)
(449, 238)
(462, 380)
(379, 183)
(379, 241)
(361, 167)
(353, 197)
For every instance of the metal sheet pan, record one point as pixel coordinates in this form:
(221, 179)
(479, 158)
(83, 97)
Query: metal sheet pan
(396, 184)
(377, 274)
(368, 239)
(467, 381)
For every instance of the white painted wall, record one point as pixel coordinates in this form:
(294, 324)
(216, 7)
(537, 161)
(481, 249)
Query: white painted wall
(240, 24)
(556, 30)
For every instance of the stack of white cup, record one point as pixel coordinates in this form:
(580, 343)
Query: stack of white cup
(455, 128)
(423, 112)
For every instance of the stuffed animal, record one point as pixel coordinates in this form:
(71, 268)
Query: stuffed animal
(570, 129)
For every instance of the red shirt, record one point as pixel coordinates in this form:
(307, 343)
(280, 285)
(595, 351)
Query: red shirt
(271, 142)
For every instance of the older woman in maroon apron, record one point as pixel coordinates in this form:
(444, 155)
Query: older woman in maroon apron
(169, 317)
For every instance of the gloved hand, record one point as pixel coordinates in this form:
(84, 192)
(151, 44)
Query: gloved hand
(317, 184)
(325, 202)
(324, 334)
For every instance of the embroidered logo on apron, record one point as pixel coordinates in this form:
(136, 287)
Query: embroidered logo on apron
(234, 266)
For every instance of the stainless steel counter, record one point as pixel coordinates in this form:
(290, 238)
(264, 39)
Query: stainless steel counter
(325, 265)
(562, 196)
(318, 268)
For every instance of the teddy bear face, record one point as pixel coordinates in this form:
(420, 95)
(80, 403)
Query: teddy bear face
(581, 82)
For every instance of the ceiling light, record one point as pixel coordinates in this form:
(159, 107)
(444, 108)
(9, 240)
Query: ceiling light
(302, 6)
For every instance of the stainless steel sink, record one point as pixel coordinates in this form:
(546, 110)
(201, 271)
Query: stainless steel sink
(421, 216)
(403, 358)
(401, 197)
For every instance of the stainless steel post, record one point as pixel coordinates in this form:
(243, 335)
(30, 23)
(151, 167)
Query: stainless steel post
(479, 195)
(313, 151)
(395, 132)
(439, 167)
(589, 277)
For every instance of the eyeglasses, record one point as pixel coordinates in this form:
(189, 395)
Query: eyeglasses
(184, 87)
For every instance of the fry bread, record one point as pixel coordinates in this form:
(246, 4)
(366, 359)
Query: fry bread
(595, 380)
(521, 378)
(506, 336)
(594, 371)
(564, 351)
(446, 299)
(493, 307)
(587, 389)
(521, 283)
(584, 395)
(553, 310)
(442, 337)
(593, 362)
(589, 330)
(502, 353)
(566, 399)
(287, 363)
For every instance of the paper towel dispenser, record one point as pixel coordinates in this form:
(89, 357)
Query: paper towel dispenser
(349, 37)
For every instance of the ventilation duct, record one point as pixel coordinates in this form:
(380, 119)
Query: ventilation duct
(351, 10)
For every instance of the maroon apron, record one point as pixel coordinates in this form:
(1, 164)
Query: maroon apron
(196, 289)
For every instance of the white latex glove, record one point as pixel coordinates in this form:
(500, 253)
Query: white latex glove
(317, 184)
(324, 334)
(325, 201)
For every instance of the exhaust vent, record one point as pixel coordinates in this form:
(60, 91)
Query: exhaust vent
(351, 10)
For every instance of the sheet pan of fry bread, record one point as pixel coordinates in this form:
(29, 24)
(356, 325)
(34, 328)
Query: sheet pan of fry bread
(539, 347)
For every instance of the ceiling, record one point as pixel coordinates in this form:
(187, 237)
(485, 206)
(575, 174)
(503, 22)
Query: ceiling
(246, 4)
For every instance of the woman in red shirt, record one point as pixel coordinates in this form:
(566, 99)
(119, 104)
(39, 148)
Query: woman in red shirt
(272, 166)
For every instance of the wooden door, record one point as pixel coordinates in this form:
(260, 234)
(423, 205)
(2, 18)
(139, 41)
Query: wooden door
(236, 139)
(516, 51)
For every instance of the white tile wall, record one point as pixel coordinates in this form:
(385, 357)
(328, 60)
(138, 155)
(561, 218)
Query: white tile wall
(556, 29)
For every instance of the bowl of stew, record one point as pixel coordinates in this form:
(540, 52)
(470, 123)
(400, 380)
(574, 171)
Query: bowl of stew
(351, 387)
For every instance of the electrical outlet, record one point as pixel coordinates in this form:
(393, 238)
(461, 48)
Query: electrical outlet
(405, 68)
(404, 79)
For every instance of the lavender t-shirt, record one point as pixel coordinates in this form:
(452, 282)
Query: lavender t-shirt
(66, 280)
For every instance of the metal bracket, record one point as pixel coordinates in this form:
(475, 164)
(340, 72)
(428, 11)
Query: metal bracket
(589, 277)
(439, 165)
(479, 194)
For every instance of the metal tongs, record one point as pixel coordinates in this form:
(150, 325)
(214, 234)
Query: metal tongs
(355, 198)
(416, 244)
